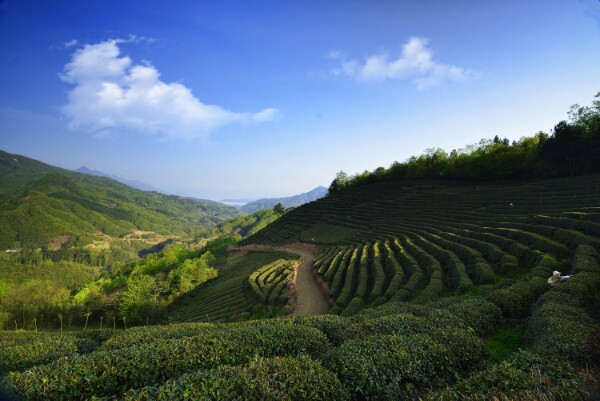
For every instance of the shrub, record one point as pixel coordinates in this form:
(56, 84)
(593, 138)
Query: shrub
(109, 372)
(353, 307)
(333, 326)
(592, 346)
(585, 260)
(470, 351)
(275, 379)
(389, 366)
(583, 286)
(389, 308)
(511, 303)
(545, 266)
(403, 324)
(516, 299)
(482, 315)
(483, 273)
(36, 352)
(143, 335)
(527, 375)
(559, 328)
(394, 366)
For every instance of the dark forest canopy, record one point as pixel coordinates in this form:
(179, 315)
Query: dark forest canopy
(571, 149)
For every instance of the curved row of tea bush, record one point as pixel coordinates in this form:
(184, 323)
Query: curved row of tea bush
(275, 379)
(268, 282)
(104, 373)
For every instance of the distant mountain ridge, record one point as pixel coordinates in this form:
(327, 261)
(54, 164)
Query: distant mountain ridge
(292, 201)
(132, 183)
(41, 204)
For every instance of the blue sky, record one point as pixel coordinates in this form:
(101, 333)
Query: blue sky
(236, 99)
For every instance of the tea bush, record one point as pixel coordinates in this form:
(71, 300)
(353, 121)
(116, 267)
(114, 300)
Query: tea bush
(276, 379)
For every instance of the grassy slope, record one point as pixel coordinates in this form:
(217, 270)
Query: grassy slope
(39, 202)
(385, 209)
(223, 299)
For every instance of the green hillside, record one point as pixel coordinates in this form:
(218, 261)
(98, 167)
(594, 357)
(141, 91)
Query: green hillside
(42, 206)
(229, 297)
(442, 293)
(419, 240)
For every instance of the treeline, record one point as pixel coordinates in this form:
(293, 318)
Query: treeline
(571, 149)
(66, 294)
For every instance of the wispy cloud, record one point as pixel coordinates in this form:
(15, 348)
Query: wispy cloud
(111, 93)
(70, 43)
(415, 63)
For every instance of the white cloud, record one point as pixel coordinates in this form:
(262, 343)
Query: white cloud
(415, 63)
(111, 93)
(70, 43)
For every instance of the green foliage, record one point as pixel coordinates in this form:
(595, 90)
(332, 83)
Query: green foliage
(505, 342)
(268, 283)
(139, 301)
(42, 203)
(559, 328)
(516, 299)
(570, 150)
(281, 378)
(27, 352)
(394, 366)
(223, 299)
(332, 326)
(278, 208)
(526, 375)
(104, 373)
(247, 224)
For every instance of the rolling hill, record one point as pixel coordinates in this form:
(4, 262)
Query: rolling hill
(46, 206)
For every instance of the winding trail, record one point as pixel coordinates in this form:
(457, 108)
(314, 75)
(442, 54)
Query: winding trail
(310, 297)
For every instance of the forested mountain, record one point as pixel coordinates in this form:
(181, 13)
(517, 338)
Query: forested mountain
(43, 206)
(292, 201)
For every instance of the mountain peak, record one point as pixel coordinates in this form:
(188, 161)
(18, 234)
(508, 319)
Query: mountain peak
(291, 201)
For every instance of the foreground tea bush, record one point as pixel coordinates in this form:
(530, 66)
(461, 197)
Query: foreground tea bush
(559, 323)
(526, 376)
(105, 373)
(141, 335)
(333, 326)
(38, 351)
(395, 366)
(276, 379)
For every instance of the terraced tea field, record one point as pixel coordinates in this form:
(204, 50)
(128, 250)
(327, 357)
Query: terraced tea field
(416, 241)
(230, 297)
(378, 211)
(428, 279)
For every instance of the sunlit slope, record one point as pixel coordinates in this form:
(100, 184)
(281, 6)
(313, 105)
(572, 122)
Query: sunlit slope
(227, 298)
(527, 210)
(418, 241)
(39, 203)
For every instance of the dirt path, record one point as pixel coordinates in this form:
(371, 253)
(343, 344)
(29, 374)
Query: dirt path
(310, 298)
